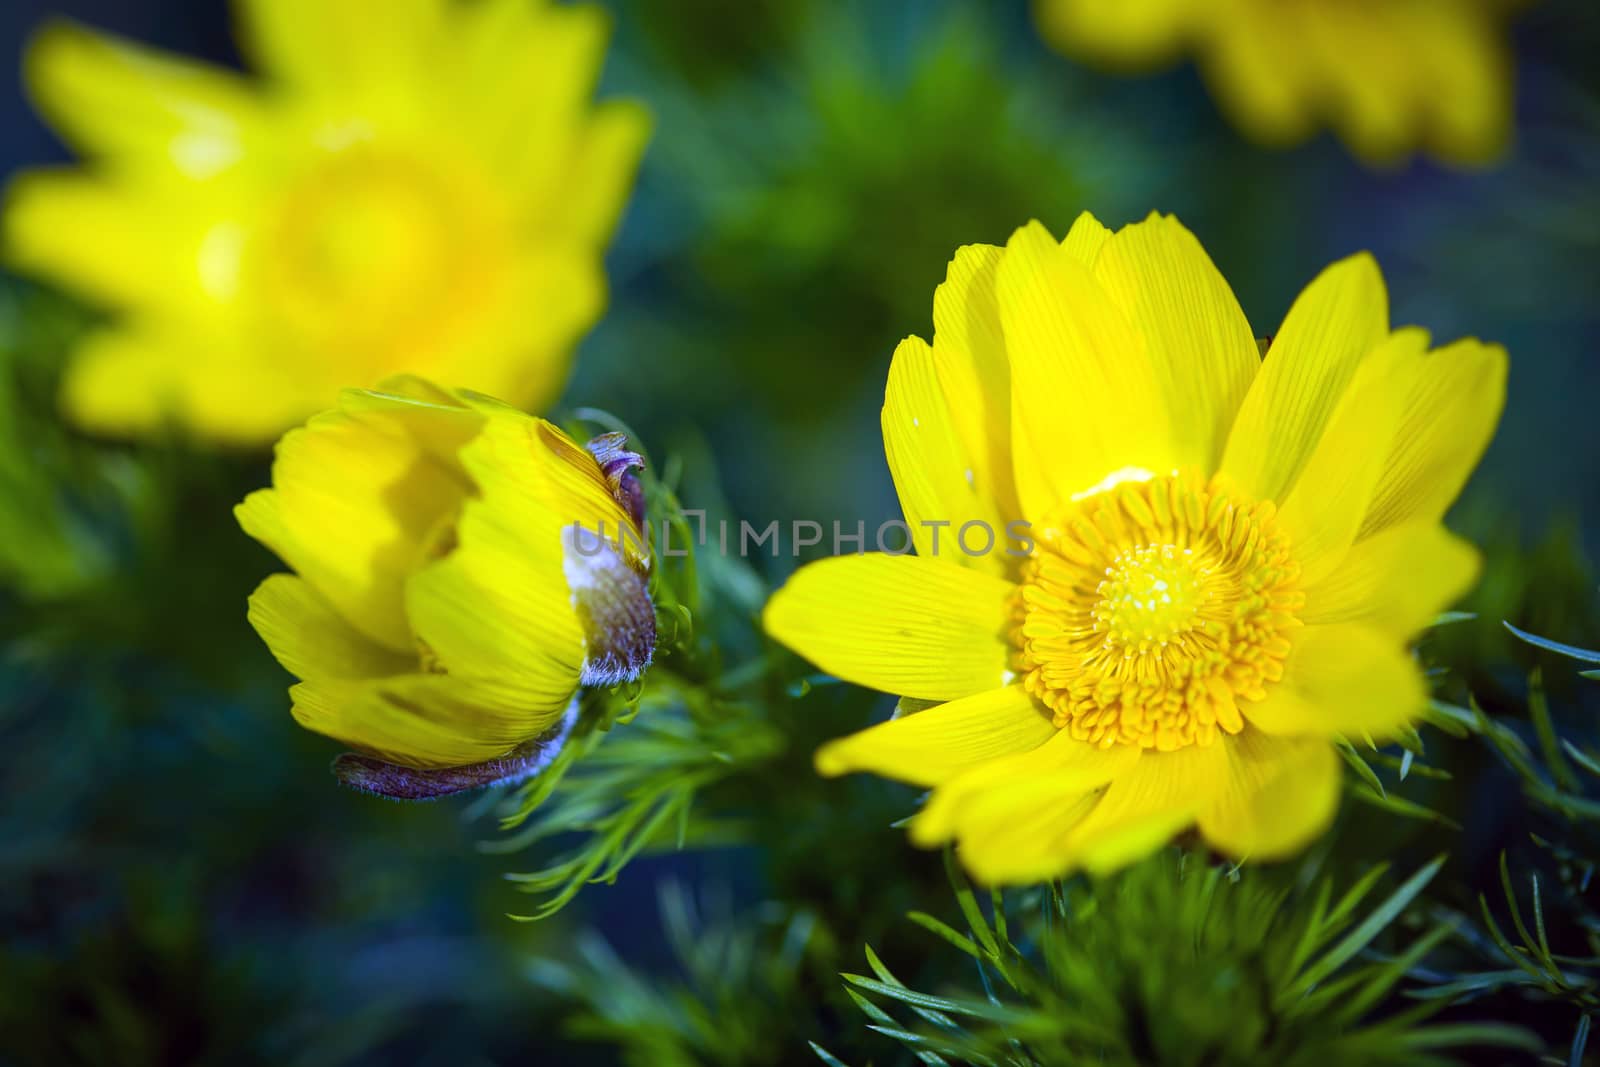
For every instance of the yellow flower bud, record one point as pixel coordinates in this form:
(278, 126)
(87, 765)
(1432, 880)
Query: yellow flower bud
(452, 589)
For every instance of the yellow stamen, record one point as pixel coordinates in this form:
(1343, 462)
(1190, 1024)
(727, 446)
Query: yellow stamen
(1150, 610)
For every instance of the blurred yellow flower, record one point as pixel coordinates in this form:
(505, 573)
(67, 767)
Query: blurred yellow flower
(418, 186)
(1391, 76)
(1229, 555)
(445, 608)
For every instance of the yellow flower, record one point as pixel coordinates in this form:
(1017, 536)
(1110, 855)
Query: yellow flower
(445, 606)
(1228, 554)
(1391, 76)
(417, 186)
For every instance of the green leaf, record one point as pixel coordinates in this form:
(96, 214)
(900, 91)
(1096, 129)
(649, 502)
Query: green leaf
(1581, 758)
(1401, 806)
(825, 1056)
(960, 941)
(997, 905)
(1353, 758)
(1582, 655)
(946, 1005)
(1375, 983)
(912, 1040)
(1455, 721)
(1507, 949)
(1366, 930)
(1470, 1035)
(871, 1010)
(1445, 618)
(1482, 982)
(1507, 743)
(626, 787)
(937, 1018)
(1539, 712)
(1580, 1041)
(968, 902)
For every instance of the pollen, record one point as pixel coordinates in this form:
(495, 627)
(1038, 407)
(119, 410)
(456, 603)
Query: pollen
(1152, 609)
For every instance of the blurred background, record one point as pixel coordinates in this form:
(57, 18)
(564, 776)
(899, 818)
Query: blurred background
(180, 880)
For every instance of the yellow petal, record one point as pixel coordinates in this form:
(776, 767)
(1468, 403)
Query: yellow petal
(1345, 678)
(106, 241)
(1131, 840)
(354, 508)
(499, 605)
(571, 291)
(605, 159)
(1450, 415)
(927, 747)
(969, 357)
(420, 720)
(936, 477)
(1333, 492)
(137, 107)
(1340, 317)
(340, 47)
(1085, 401)
(495, 608)
(121, 380)
(1086, 238)
(1241, 59)
(522, 76)
(407, 406)
(1395, 581)
(1279, 796)
(1195, 334)
(903, 624)
(582, 493)
(1143, 808)
(1130, 33)
(1377, 112)
(1470, 124)
(311, 640)
(996, 792)
(1433, 76)
(1008, 835)
(413, 387)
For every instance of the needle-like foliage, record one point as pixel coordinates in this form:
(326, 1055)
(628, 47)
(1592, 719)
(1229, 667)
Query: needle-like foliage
(1177, 961)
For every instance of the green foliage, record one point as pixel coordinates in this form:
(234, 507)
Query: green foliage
(632, 789)
(1544, 584)
(734, 1000)
(52, 487)
(709, 42)
(1582, 655)
(1538, 937)
(103, 544)
(1175, 961)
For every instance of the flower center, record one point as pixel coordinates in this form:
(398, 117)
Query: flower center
(1150, 609)
(1151, 596)
(377, 255)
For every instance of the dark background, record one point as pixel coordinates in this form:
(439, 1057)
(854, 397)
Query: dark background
(180, 882)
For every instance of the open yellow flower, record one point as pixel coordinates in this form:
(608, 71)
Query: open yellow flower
(452, 587)
(1391, 76)
(1229, 555)
(418, 186)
